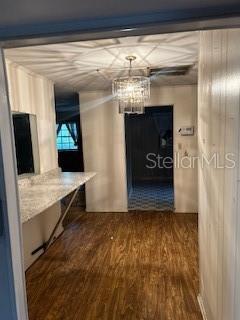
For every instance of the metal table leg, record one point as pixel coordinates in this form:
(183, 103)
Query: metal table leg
(47, 244)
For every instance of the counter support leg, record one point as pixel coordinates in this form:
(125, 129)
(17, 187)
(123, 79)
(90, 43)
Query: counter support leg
(47, 244)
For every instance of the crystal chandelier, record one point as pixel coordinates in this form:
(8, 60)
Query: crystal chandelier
(132, 92)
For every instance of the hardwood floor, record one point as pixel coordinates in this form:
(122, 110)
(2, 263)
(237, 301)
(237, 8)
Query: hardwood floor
(111, 266)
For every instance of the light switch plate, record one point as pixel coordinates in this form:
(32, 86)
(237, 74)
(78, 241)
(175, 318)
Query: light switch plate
(186, 131)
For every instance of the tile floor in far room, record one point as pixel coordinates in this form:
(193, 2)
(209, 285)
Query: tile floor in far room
(153, 196)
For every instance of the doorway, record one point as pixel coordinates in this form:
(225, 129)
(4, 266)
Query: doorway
(149, 158)
(69, 146)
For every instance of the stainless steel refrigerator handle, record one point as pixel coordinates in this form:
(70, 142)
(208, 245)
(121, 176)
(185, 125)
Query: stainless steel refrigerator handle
(1, 219)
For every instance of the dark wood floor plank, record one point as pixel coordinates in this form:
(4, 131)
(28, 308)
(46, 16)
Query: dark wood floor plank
(112, 266)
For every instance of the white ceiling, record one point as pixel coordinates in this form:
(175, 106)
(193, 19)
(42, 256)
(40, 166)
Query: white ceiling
(91, 65)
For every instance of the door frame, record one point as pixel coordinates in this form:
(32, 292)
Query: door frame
(171, 106)
(10, 234)
(10, 214)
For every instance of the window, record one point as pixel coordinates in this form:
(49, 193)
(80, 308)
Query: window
(67, 136)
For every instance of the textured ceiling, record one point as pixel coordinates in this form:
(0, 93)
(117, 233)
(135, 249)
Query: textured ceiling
(91, 65)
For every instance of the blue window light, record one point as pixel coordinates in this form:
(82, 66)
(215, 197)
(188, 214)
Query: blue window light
(67, 136)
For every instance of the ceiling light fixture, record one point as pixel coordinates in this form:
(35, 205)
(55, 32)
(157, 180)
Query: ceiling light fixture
(132, 92)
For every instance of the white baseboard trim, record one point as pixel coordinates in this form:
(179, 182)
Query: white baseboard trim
(201, 305)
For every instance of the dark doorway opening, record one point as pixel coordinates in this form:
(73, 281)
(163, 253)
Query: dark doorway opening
(149, 154)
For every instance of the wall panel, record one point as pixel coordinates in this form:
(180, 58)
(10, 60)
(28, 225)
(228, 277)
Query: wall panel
(218, 120)
(103, 152)
(34, 94)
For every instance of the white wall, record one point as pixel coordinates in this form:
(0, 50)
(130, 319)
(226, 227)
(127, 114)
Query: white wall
(104, 147)
(218, 117)
(34, 94)
(104, 152)
(184, 101)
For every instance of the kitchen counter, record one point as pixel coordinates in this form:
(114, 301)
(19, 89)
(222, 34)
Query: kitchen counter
(38, 193)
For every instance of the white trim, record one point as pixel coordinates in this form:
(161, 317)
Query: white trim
(201, 305)
(11, 214)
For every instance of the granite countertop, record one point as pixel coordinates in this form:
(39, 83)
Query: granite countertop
(38, 193)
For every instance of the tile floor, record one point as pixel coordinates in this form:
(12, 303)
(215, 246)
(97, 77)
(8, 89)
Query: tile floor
(152, 196)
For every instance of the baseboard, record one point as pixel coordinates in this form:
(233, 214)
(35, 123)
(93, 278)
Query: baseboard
(201, 305)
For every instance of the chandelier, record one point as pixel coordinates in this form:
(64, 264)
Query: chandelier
(131, 92)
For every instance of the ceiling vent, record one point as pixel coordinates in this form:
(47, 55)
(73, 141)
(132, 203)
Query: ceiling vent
(169, 71)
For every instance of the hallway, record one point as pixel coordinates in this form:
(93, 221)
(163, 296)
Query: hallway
(119, 266)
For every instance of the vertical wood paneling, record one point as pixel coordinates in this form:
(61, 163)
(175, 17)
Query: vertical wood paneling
(218, 116)
(103, 152)
(34, 94)
(232, 137)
